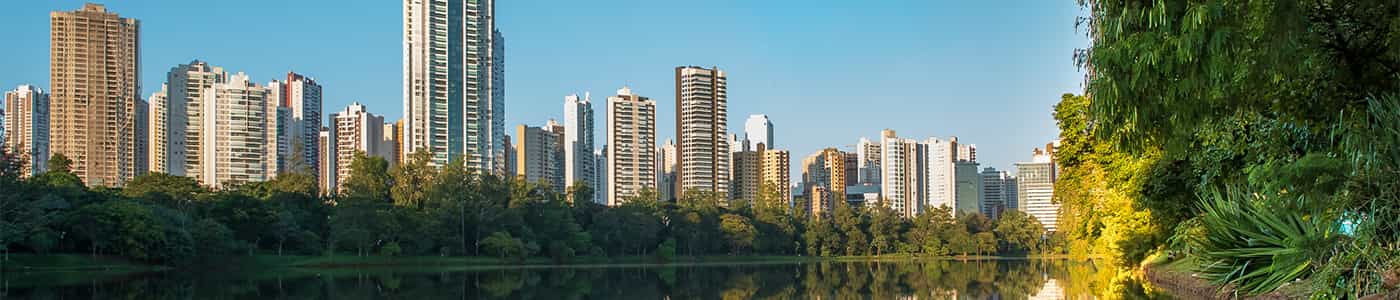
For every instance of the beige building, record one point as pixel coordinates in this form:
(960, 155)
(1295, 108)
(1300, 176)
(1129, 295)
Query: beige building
(26, 127)
(775, 171)
(824, 175)
(95, 97)
(701, 130)
(176, 118)
(325, 166)
(539, 154)
(631, 155)
(744, 181)
(356, 131)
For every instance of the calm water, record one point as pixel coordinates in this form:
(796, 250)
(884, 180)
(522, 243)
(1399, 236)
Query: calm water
(1006, 279)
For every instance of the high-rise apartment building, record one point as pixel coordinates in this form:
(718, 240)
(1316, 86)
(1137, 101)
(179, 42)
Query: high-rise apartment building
(903, 164)
(356, 130)
(600, 188)
(301, 95)
(578, 141)
(758, 129)
(666, 175)
(868, 162)
(774, 172)
(454, 83)
(389, 144)
(94, 101)
(745, 181)
(539, 154)
(941, 172)
(824, 178)
(233, 133)
(1010, 192)
(631, 154)
(701, 129)
(1035, 184)
(26, 123)
(176, 115)
(325, 165)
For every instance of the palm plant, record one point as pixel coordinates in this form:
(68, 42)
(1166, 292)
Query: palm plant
(1255, 245)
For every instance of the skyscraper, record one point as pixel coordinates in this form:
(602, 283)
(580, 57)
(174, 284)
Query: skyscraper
(325, 166)
(941, 172)
(302, 97)
(666, 175)
(356, 130)
(1035, 184)
(454, 85)
(578, 141)
(994, 192)
(774, 173)
(233, 132)
(701, 129)
(26, 123)
(94, 57)
(631, 156)
(824, 178)
(902, 173)
(868, 161)
(540, 154)
(758, 129)
(176, 111)
(967, 187)
(745, 181)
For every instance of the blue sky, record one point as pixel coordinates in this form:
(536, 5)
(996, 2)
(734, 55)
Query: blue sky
(826, 72)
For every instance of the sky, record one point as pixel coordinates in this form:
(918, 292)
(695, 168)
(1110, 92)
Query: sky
(825, 72)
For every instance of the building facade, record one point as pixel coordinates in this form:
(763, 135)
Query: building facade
(666, 172)
(539, 154)
(578, 141)
(1035, 184)
(95, 97)
(868, 161)
(994, 192)
(701, 128)
(745, 180)
(903, 164)
(775, 173)
(824, 179)
(454, 83)
(356, 130)
(631, 156)
(759, 129)
(26, 127)
(233, 133)
(301, 95)
(177, 120)
(967, 187)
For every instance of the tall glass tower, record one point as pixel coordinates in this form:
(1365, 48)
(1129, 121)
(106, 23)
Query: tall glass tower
(454, 88)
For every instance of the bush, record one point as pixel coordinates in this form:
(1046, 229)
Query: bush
(1252, 244)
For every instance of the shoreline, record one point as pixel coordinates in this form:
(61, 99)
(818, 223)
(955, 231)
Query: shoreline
(32, 263)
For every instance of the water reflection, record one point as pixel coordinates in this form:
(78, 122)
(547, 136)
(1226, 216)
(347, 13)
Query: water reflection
(1013, 279)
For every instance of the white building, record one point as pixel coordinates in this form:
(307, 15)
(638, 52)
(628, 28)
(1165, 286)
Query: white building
(902, 166)
(25, 118)
(1035, 184)
(578, 141)
(232, 133)
(758, 129)
(701, 128)
(631, 154)
(454, 83)
(301, 96)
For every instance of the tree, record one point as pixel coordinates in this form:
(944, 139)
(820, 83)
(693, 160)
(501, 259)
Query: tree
(886, 227)
(415, 183)
(739, 233)
(852, 227)
(503, 246)
(174, 191)
(1018, 232)
(368, 179)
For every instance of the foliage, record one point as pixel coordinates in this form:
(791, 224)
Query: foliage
(1251, 243)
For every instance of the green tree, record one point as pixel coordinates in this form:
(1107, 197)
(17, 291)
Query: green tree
(739, 233)
(368, 179)
(1018, 232)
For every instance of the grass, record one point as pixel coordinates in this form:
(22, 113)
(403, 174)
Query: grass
(71, 262)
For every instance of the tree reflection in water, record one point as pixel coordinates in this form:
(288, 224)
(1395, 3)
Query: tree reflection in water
(924, 279)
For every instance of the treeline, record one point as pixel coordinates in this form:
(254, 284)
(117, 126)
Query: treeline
(418, 209)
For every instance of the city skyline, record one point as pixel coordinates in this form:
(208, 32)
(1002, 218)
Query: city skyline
(936, 84)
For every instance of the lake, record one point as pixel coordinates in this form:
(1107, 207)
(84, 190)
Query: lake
(906, 279)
